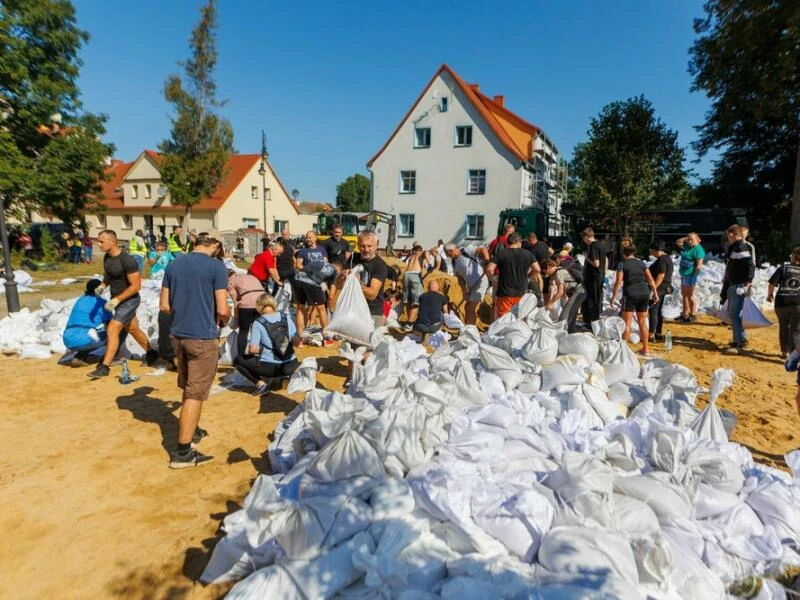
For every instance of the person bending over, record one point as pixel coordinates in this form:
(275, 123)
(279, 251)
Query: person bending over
(85, 334)
(432, 305)
(271, 355)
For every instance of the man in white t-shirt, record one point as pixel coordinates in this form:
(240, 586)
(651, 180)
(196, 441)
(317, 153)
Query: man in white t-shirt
(468, 267)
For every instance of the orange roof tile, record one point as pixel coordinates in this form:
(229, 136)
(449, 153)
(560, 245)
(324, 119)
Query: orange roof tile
(239, 165)
(514, 132)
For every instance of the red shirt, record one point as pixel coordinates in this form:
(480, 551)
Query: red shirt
(501, 239)
(261, 266)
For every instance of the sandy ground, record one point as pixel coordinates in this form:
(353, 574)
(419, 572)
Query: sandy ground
(92, 511)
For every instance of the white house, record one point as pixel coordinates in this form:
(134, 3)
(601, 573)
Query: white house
(459, 157)
(135, 198)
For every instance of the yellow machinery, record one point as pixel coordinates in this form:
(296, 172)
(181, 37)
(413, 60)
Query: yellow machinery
(348, 220)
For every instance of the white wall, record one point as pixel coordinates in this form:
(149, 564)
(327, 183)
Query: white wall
(441, 202)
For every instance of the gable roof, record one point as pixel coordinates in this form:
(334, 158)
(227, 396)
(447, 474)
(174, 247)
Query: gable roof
(514, 132)
(111, 195)
(237, 167)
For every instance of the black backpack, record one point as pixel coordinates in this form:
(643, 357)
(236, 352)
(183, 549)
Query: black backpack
(575, 270)
(279, 336)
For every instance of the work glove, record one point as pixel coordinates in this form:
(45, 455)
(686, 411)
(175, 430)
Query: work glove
(112, 304)
(792, 362)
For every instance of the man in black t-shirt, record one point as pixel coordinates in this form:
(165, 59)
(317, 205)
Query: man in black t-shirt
(338, 249)
(594, 271)
(374, 273)
(121, 275)
(285, 262)
(515, 265)
(536, 247)
(432, 305)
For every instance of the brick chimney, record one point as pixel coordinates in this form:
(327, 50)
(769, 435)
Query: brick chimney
(500, 101)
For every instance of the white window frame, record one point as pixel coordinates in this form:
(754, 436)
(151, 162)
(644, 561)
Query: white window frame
(412, 179)
(134, 192)
(148, 192)
(417, 131)
(406, 232)
(479, 174)
(254, 192)
(479, 219)
(279, 226)
(465, 128)
(101, 221)
(249, 223)
(127, 222)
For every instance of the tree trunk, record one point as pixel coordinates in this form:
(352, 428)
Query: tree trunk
(795, 227)
(187, 224)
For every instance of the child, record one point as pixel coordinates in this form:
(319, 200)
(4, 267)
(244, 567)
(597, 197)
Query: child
(159, 259)
(271, 356)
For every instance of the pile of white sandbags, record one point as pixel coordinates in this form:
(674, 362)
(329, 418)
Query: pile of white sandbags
(525, 461)
(23, 280)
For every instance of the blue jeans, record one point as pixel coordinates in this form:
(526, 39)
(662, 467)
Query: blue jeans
(735, 305)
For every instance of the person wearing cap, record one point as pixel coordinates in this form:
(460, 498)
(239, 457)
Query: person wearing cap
(661, 271)
(85, 334)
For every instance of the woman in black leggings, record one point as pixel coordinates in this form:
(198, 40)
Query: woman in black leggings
(273, 336)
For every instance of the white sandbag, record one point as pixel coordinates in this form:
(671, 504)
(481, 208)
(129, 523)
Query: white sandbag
(619, 361)
(283, 298)
(501, 364)
(304, 379)
(634, 516)
(541, 347)
(584, 344)
(752, 317)
(518, 518)
(709, 423)
(451, 321)
(525, 307)
(776, 504)
(668, 500)
(351, 318)
(234, 559)
(348, 455)
(627, 393)
(588, 551)
(565, 370)
(608, 329)
(598, 400)
(322, 577)
(34, 351)
(329, 414)
(229, 350)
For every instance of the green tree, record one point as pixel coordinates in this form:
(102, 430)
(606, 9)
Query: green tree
(746, 60)
(41, 115)
(630, 162)
(353, 194)
(201, 141)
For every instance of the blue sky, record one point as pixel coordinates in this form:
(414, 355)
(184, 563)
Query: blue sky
(329, 81)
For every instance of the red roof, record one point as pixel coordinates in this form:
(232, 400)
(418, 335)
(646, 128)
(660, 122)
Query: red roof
(239, 165)
(514, 132)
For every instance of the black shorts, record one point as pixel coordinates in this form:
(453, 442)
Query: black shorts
(126, 310)
(307, 294)
(638, 305)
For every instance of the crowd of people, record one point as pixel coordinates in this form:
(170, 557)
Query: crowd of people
(200, 294)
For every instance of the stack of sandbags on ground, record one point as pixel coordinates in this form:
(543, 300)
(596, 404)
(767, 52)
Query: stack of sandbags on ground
(524, 461)
(24, 282)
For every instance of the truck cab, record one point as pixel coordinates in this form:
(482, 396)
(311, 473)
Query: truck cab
(526, 220)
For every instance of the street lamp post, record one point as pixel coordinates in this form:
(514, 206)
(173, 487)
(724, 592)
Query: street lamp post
(12, 295)
(262, 170)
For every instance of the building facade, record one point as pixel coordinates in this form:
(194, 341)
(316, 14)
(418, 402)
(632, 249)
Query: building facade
(459, 157)
(136, 198)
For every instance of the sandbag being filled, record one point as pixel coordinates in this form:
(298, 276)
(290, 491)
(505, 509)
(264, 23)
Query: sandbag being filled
(752, 317)
(351, 319)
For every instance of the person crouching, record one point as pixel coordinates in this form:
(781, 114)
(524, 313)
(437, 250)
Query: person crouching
(432, 306)
(271, 355)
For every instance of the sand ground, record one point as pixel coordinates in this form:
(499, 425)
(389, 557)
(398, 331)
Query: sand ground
(92, 511)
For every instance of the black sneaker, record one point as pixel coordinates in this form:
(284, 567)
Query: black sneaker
(101, 371)
(150, 357)
(199, 435)
(191, 459)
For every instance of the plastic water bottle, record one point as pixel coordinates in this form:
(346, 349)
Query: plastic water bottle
(668, 342)
(125, 376)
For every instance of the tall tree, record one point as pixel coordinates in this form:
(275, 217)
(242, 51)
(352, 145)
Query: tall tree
(353, 194)
(630, 162)
(41, 115)
(194, 158)
(746, 59)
